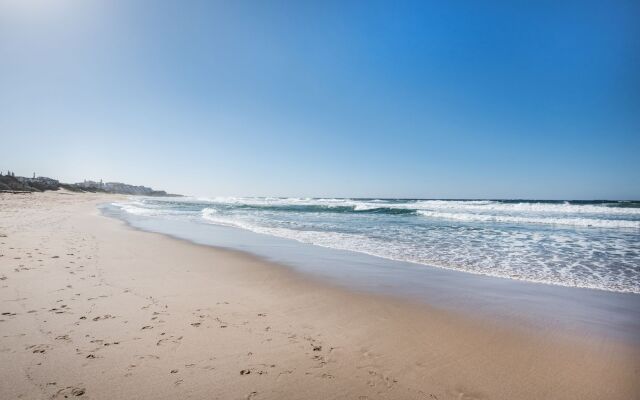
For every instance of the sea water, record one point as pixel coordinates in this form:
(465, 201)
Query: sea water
(586, 244)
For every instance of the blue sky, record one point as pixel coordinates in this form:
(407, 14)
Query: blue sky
(458, 99)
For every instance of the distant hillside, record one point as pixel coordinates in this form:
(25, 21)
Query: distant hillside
(121, 188)
(22, 184)
(10, 183)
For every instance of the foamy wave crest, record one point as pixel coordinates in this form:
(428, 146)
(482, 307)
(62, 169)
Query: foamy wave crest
(583, 222)
(208, 212)
(145, 208)
(368, 207)
(136, 208)
(526, 207)
(482, 206)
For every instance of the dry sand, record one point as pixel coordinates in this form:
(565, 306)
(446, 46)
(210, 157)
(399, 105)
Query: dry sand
(92, 309)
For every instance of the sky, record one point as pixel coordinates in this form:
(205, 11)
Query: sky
(448, 99)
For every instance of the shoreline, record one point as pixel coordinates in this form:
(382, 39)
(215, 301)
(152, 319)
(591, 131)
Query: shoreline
(391, 260)
(511, 302)
(209, 314)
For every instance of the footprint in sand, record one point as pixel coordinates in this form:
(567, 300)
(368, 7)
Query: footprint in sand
(38, 348)
(221, 322)
(106, 316)
(69, 392)
(172, 339)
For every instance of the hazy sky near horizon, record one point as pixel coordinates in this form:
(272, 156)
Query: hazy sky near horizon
(457, 99)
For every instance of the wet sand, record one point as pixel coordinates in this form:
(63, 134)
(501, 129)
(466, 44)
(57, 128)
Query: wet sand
(93, 309)
(541, 307)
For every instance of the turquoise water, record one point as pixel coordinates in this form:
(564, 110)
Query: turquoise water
(592, 244)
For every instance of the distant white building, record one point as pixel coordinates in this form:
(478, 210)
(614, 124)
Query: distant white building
(41, 180)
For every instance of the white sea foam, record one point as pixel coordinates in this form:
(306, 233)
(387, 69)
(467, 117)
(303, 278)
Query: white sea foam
(486, 259)
(136, 208)
(365, 207)
(584, 222)
(209, 212)
(582, 215)
(483, 206)
(529, 207)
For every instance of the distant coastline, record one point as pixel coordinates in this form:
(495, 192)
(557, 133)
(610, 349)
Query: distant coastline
(10, 183)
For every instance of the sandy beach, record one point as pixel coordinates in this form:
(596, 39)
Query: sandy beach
(94, 309)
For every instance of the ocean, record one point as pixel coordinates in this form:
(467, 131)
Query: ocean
(585, 244)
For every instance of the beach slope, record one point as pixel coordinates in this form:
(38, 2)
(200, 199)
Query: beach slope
(93, 309)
